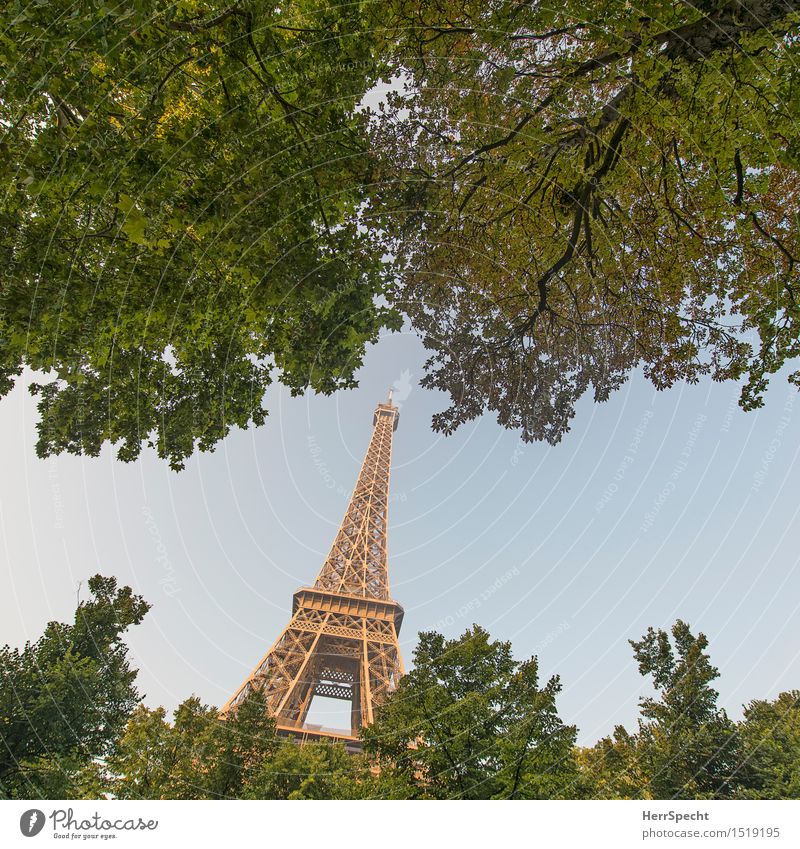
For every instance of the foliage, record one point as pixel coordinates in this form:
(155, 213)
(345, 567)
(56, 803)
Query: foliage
(199, 756)
(612, 767)
(179, 225)
(311, 771)
(770, 739)
(467, 722)
(65, 698)
(470, 722)
(569, 191)
(686, 747)
(589, 187)
(688, 744)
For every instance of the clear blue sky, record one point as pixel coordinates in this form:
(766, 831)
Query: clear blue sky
(656, 506)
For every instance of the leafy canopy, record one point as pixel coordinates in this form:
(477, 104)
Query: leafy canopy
(470, 722)
(685, 747)
(467, 722)
(179, 225)
(65, 698)
(198, 756)
(770, 756)
(576, 189)
(196, 205)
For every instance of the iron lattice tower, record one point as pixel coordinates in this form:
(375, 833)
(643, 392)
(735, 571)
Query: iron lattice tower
(341, 641)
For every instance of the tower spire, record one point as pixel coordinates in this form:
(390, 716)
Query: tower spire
(341, 641)
(357, 563)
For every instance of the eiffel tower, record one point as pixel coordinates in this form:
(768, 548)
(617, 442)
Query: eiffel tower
(341, 641)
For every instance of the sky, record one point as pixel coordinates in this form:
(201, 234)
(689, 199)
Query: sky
(656, 506)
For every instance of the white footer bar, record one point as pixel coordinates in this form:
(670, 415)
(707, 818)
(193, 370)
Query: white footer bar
(416, 825)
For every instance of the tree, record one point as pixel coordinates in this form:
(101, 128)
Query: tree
(687, 747)
(65, 698)
(199, 756)
(470, 722)
(310, 771)
(589, 187)
(770, 748)
(180, 223)
(612, 768)
(150, 760)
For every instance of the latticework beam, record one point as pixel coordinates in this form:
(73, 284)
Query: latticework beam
(341, 641)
